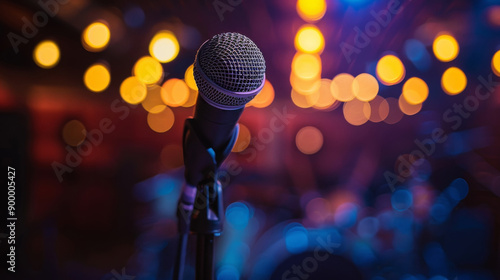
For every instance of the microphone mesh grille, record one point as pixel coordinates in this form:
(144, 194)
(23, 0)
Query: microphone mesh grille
(233, 62)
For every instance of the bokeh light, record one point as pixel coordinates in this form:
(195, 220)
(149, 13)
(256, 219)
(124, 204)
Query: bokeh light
(401, 200)
(238, 215)
(390, 70)
(493, 15)
(365, 87)
(318, 210)
(74, 133)
(191, 101)
(296, 239)
(453, 81)
(379, 109)
(311, 10)
(132, 90)
(164, 46)
(309, 140)
(495, 63)
(96, 36)
(148, 70)
(407, 108)
(325, 98)
(395, 114)
(305, 86)
(189, 78)
(46, 54)
(304, 101)
(175, 92)
(162, 121)
(415, 91)
(243, 139)
(153, 102)
(346, 215)
(368, 227)
(264, 98)
(445, 47)
(306, 66)
(357, 112)
(97, 77)
(342, 87)
(309, 39)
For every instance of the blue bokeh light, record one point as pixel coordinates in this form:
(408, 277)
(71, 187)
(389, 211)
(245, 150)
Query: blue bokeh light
(346, 215)
(401, 200)
(417, 54)
(368, 227)
(238, 215)
(296, 238)
(228, 272)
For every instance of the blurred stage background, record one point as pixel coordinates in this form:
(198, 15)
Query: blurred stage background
(371, 153)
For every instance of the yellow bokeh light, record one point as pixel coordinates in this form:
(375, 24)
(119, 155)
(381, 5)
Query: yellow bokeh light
(265, 96)
(243, 140)
(306, 66)
(365, 87)
(379, 109)
(132, 90)
(495, 63)
(153, 102)
(148, 70)
(357, 112)
(74, 133)
(309, 140)
(96, 36)
(162, 121)
(97, 77)
(164, 46)
(325, 98)
(395, 114)
(304, 101)
(46, 54)
(453, 81)
(191, 101)
(309, 39)
(189, 78)
(305, 86)
(311, 10)
(445, 47)
(176, 92)
(342, 87)
(407, 108)
(390, 70)
(415, 91)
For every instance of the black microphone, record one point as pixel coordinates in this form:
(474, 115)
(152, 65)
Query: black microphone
(229, 70)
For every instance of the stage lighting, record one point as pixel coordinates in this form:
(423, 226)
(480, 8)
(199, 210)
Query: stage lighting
(415, 91)
(46, 54)
(453, 81)
(390, 70)
(97, 77)
(445, 48)
(148, 70)
(311, 10)
(164, 46)
(96, 37)
(132, 90)
(309, 39)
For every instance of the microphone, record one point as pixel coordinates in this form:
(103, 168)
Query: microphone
(229, 70)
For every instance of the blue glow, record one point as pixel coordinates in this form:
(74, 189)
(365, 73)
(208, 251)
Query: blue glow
(362, 254)
(368, 227)
(460, 189)
(228, 272)
(440, 212)
(438, 277)
(403, 242)
(296, 239)
(357, 2)
(403, 221)
(401, 200)
(238, 215)
(417, 54)
(435, 258)
(134, 17)
(346, 215)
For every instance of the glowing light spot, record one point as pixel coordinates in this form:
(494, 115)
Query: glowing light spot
(390, 70)
(306, 66)
(97, 77)
(304, 101)
(153, 102)
(453, 81)
(309, 140)
(311, 10)
(346, 215)
(148, 70)
(96, 36)
(318, 210)
(495, 63)
(191, 101)
(379, 109)
(357, 112)
(325, 97)
(493, 16)
(264, 98)
(415, 91)
(132, 90)
(164, 46)
(342, 87)
(296, 239)
(243, 140)
(459, 189)
(228, 272)
(189, 78)
(407, 108)
(445, 47)
(309, 39)
(238, 215)
(46, 54)
(365, 87)
(395, 114)
(305, 86)
(368, 227)
(401, 200)
(175, 92)
(162, 121)
(74, 133)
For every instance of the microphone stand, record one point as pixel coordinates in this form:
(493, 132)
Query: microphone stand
(202, 216)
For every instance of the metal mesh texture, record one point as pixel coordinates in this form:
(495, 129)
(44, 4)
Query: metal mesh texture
(233, 62)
